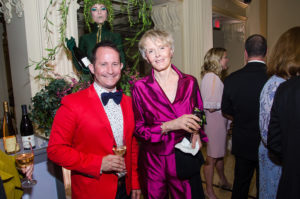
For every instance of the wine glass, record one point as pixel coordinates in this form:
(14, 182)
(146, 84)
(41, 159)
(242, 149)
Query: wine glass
(24, 159)
(120, 150)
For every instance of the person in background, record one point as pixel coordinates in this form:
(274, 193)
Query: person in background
(284, 127)
(83, 134)
(240, 102)
(163, 103)
(282, 58)
(215, 61)
(98, 16)
(10, 178)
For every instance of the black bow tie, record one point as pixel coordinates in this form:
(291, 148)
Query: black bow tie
(116, 96)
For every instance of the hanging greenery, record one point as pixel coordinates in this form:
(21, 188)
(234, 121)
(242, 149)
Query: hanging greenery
(144, 8)
(47, 100)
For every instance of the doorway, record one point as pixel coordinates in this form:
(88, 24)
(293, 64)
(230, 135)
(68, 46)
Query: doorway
(230, 34)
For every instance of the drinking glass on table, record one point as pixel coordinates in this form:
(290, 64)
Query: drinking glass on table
(24, 159)
(120, 150)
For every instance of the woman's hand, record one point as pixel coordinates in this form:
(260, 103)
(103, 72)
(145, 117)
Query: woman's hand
(196, 138)
(187, 122)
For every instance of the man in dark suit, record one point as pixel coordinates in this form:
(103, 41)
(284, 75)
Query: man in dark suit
(89, 124)
(284, 136)
(240, 102)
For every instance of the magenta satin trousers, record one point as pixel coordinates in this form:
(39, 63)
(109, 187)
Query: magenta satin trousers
(158, 177)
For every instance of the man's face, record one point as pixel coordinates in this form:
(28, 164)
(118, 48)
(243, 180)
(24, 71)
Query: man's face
(107, 68)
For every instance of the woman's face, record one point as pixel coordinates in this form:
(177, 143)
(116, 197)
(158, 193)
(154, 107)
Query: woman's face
(224, 61)
(99, 13)
(158, 54)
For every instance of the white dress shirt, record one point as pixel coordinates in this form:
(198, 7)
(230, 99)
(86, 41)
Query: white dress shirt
(114, 114)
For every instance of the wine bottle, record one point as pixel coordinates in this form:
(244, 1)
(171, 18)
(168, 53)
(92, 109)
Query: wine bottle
(26, 130)
(9, 133)
(81, 59)
(1, 129)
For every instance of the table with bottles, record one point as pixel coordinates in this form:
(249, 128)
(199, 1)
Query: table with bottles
(48, 175)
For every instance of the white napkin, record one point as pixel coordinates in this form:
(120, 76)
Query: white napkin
(186, 147)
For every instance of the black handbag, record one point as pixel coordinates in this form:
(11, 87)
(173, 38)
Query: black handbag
(188, 165)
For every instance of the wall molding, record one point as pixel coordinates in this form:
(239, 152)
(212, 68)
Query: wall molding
(228, 13)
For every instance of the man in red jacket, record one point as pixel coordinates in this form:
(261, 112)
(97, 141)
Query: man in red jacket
(89, 124)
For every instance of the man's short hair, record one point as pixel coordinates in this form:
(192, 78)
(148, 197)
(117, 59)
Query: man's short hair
(104, 43)
(256, 45)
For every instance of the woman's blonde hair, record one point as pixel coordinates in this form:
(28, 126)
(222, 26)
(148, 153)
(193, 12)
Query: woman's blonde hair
(285, 58)
(212, 61)
(155, 35)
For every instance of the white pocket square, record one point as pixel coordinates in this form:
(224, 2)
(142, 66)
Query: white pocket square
(186, 147)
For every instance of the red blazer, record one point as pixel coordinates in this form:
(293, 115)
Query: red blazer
(81, 136)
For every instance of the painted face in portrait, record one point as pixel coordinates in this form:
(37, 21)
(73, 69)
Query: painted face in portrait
(107, 68)
(99, 13)
(158, 54)
(224, 61)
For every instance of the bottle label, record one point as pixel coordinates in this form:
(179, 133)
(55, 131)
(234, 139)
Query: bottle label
(26, 140)
(86, 61)
(10, 144)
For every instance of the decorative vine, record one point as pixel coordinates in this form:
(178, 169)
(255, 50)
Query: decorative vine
(47, 100)
(144, 18)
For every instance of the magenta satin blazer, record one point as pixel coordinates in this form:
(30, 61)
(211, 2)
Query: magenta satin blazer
(152, 107)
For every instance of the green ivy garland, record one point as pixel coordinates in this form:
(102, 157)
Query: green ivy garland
(144, 18)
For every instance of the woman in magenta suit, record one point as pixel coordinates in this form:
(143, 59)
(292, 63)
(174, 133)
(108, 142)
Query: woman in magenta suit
(215, 61)
(163, 103)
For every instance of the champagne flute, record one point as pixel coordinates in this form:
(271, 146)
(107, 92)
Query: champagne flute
(23, 160)
(120, 150)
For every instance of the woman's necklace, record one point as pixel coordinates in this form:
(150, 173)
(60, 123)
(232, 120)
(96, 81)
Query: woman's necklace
(160, 82)
(167, 86)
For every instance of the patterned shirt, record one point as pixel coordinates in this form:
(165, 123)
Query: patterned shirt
(114, 114)
(266, 102)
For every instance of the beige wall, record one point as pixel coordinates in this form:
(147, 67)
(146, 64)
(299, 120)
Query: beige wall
(3, 80)
(190, 23)
(282, 15)
(235, 51)
(18, 61)
(271, 18)
(256, 14)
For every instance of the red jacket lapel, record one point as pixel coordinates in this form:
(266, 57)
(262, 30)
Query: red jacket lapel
(99, 108)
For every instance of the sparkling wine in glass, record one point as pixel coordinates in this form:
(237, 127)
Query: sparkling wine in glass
(120, 150)
(24, 159)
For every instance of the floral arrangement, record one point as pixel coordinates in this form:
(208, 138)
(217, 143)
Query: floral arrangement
(128, 78)
(46, 102)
